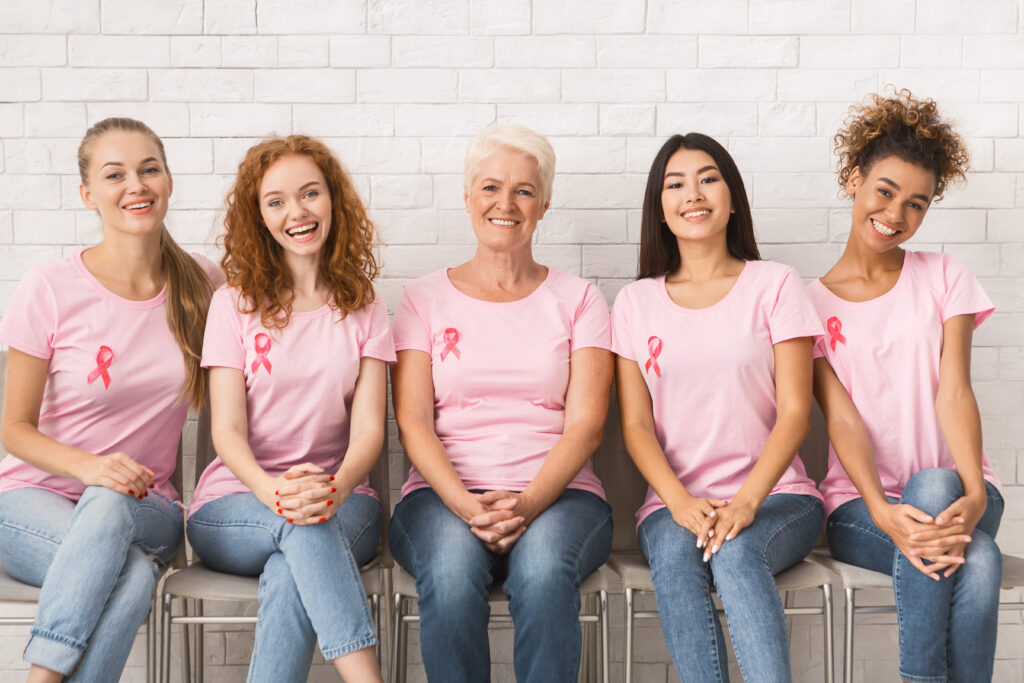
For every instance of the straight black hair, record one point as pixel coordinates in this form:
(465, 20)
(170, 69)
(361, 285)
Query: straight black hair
(659, 251)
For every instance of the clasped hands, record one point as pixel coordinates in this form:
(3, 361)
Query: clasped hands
(498, 518)
(303, 495)
(941, 541)
(712, 520)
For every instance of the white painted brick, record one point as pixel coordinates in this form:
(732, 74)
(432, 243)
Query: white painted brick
(823, 52)
(983, 120)
(310, 16)
(780, 154)
(810, 260)
(408, 262)
(53, 16)
(21, 84)
(1011, 256)
(594, 226)
(981, 259)
(401, 191)
(640, 153)
(33, 50)
(189, 155)
(94, 84)
(790, 225)
(43, 119)
(826, 85)
(229, 16)
(201, 85)
(545, 51)
(982, 152)
(116, 51)
(831, 116)
(1009, 155)
(1011, 367)
(627, 119)
(305, 85)
(500, 17)
(195, 51)
(1006, 225)
(994, 52)
(12, 119)
(931, 52)
(249, 51)
(589, 16)
(720, 85)
(196, 226)
(70, 198)
(166, 17)
(436, 17)
(337, 120)
(170, 118)
(443, 154)
(377, 155)
(620, 85)
(967, 16)
(882, 16)
(982, 191)
(985, 366)
(1003, 85)
(360, 51)
(795, 190)
(717, 120)
(691, 16)
(239, 120)
(509, 85)
(407, 226)
(748, 51)
(581, 191)
(455, 227)
(59, 227)
(228, 153)
(799, 16)
(784, 118)
(449, 191)
(945, 85)
(406, 85)
(6, 227)
(307, 51)
(646, 51)
(41, 155)
(944, 224)
(590, 155)
(453, 51)
(30, 192)
(552, 119)
(1000, 398)
(21, 258)
(200, 191)
(442, 119)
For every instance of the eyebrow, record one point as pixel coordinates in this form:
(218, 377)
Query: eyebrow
(121, 163)
(496, 180)
(699, 171)
(311, 182)
(897, 187)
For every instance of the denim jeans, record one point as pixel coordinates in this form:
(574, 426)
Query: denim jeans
(947, 628)
(544, 569)
(97, 562)
(310, 586)
(784, 531)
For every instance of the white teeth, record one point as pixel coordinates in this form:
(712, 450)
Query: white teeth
(882, 229)
(302, 230)
(501, 221)
(694, 214)
(140, 205)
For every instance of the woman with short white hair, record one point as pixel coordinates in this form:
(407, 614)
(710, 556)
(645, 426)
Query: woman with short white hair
(500, 392)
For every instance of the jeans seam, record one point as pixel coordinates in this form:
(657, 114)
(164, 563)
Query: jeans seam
(590, 536)
(366, 527)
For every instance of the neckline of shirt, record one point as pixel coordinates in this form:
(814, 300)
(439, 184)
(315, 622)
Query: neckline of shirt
(518, 302)
(120, 300)
(667, 298)
(907, 258)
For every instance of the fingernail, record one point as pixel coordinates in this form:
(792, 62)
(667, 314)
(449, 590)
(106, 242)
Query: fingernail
(332, 478)
(278, 503)
(131, 492)
(289, 521)
(141, 497)
(332, 488)
(323, 519)
(276, 493)
(330, 502)
(151, 486)
(706, 555)
(279, 511)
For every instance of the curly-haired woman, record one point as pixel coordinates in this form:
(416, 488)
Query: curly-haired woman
(909, 491)
(297, 347)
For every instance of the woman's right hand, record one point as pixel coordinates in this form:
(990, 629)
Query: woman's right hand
(900, 521)
(696, 515)
(303, 495)
(118, 472)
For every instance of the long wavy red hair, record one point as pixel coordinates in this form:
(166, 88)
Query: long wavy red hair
(254, 263)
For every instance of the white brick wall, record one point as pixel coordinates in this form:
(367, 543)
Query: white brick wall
(397, 87)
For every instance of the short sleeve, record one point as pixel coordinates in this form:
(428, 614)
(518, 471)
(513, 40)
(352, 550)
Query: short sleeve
(378, 343)
(819, 347)
(792, 314)
(963, 294)
(222, 343)
(30, 323)
(412, 331)
(620, 327)
(591, 326)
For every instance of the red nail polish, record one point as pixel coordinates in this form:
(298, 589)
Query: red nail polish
(276, 493)
(330, 502)
(332, 478)
(141, 497)
(289, 521)
(323, 519)
(279, 511)
(151, 486)
(131, 492)
(333, 489)
(278, 503)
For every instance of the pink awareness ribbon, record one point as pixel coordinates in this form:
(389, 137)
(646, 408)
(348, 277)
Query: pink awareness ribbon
(262, 349)
(451, 338)
(654, 348)
(835, 332)
(103, 360)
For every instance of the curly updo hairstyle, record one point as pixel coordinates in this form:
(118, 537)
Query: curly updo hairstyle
(905, 127)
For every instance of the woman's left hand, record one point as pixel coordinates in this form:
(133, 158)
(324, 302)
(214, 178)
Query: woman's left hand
(310, 497)
(730, 520)
(946, 545)
(498, 532)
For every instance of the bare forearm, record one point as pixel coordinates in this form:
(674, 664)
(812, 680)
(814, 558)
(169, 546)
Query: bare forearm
(233, 448)
(645, 451)
(25, 441)
(429, 457)
(779, 450)
(960, 423)
(563, 462)
(363, 451)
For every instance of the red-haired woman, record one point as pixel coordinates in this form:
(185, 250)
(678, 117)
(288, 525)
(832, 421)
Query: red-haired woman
(297, 347)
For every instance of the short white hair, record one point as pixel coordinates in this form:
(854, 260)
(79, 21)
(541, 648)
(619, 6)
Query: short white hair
(502, 137)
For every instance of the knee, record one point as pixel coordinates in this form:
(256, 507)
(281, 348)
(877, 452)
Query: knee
(545, 580)
(453, 584)
(984, 565)
(933, 490)
(99, 502)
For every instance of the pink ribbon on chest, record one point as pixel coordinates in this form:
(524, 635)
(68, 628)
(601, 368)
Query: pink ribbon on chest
(262, 349)
(103, 360)
(835, 332)
(654, 349)
(451, 338)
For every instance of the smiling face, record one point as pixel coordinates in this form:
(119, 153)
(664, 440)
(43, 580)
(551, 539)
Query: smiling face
(890, 202)
(127, 182)
(503, 200)
(695, 200)
(295, 203)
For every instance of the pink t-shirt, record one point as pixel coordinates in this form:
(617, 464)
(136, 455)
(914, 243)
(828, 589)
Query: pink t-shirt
(886, 353)
(501, 371)
(711, 375)
(115, 377)
(299, 384)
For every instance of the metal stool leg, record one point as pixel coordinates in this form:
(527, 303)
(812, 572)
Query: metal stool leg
(830, 639)
(603, 616)
(848, 637)
(629, 635)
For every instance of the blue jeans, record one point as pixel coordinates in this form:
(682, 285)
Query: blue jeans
(947, 628)
(310, 586)
(784, 531)
(544, 569)
(97, 562)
